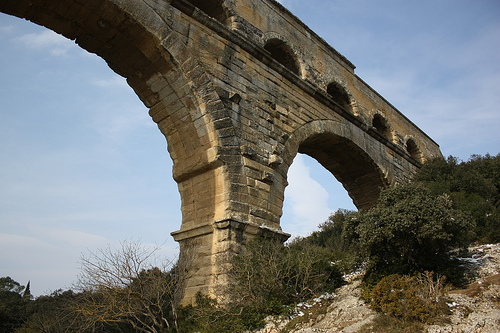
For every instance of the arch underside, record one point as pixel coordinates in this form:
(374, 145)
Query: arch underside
(342, 149)
(349, 164)
(144, 46)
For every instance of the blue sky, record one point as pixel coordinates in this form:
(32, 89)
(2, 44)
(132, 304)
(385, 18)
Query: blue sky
(83, 165)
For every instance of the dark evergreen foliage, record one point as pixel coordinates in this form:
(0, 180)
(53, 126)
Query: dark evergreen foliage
(410, 231)
(474, 187)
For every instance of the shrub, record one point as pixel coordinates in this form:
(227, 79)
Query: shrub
(389, 324)
(411, 298)
(268, 271)
(346, 252)
(410, 231)
(209, 316)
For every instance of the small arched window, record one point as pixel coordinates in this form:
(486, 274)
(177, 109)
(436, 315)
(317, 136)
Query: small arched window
(339, 95)
(382, 126)
(283, 54)
(413, 150)
(213, 8)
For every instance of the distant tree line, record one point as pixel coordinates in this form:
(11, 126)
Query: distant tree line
(403, 244)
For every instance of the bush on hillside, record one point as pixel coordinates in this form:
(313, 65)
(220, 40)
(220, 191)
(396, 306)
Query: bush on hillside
(411, 298)
(410, 231)
(268, 271)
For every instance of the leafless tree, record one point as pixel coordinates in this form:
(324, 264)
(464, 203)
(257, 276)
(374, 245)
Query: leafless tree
(131, 286)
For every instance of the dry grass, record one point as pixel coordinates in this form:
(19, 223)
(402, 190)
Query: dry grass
(389, 324)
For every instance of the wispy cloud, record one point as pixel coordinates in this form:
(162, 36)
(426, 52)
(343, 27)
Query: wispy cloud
(127, 114)
(113, 82)
(306, 198)
(116, 126)
(48, 40)
(6, 29)
(46, 256)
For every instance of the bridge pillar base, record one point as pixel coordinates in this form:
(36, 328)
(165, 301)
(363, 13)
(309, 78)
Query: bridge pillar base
(206, 252)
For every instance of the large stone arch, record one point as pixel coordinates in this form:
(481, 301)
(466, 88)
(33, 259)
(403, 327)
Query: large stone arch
(157, 61)
(344, 150)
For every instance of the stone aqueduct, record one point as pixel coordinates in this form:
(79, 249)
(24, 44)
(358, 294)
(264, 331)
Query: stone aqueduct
(238, 88)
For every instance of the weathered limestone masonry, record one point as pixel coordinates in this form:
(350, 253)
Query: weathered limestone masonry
(238, 88)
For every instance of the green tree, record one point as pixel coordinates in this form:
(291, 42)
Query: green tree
(410, 231)
(27, 293)
(345, 251)
(11, 304)
(9, 285)
(474, 187)
(52, 314)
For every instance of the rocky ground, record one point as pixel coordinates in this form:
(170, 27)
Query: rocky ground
(475, 309)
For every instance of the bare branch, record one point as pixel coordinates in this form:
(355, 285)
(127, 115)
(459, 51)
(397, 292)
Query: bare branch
(130, 285)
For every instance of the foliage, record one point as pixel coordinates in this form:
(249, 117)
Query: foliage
(53, 313)
(210, 316)
(388, 324)
(7, 284)
(346, 252)
(474, 187)
(410, 298)
(20, 313)
(268, 271)
(119, 291)
(410, 231)
(13, 298)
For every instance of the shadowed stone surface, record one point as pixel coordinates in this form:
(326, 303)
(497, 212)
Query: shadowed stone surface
(238, 88)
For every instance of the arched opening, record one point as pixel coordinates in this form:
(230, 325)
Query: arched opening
(350, 165)
(311, 196)
(340, 151)
(339, 96)
(413, 149)
(213, 8)
(283, 54)
(382, 126)
(76, 175)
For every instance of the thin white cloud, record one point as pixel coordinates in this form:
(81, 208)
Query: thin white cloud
(118, 120)
(114, 82)
(116, 126)
(6, 29)
(46, 256)
(48, 39)
(306, 198)
(76, 238)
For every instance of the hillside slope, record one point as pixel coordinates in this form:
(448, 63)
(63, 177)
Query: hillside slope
(475, 309)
